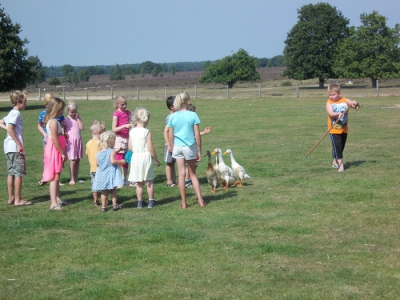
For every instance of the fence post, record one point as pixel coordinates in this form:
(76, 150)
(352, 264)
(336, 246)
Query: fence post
(165, 92)
(64, 92)
(195, 91)
(227, 91)
(297, 89)
(39, 95)
(138, 89)
(112, 92)
(87, 94)
(259, 90)
(377, 87)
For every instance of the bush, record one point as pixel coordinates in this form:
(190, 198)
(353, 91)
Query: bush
(286, 83)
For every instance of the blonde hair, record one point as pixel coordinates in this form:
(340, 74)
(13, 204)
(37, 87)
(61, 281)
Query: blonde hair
(97, 127)
(71, 105)
(53, 108)
(334, 87)
(17, 97)
(47, 97)
(181, 100)
(118, 98)
(141, 115)
(106, 138)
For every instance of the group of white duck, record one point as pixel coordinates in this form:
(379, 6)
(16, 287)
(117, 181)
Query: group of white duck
(220, 174)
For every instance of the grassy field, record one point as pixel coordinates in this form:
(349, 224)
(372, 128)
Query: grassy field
(297, 230)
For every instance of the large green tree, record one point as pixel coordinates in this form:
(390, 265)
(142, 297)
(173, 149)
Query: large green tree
(312, 42)
(15, 69)
(238, 67)
(37, 70)
(371, 51)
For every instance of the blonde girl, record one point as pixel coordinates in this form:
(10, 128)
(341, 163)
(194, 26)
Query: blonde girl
(121, 126)
(143, 155)
(185, 144)
(54, 152)
(42, 127)
(108, 176)
(73, 127)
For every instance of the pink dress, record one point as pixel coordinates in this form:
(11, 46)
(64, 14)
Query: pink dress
(74, 141)
(122, 136)
(52, 158)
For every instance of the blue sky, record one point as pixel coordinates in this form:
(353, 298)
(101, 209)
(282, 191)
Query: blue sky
(105, 32)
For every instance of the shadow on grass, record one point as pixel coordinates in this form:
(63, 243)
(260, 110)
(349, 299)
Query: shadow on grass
(356, 163)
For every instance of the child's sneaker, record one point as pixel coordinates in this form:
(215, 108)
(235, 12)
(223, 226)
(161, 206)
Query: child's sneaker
(152, 203)
(188, 183)
(140, 204)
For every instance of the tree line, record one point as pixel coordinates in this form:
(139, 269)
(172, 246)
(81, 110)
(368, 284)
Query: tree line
(320, 45)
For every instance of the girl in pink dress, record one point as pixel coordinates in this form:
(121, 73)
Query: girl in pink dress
(73, 126)
(54, 152)
(121, 126)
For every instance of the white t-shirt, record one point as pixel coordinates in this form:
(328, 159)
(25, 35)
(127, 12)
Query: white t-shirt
(14, 118)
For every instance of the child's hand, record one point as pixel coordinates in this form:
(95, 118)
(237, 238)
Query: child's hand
(207, 130)
(66, 135)
(118, 149)
(20, 148)
(63, 157)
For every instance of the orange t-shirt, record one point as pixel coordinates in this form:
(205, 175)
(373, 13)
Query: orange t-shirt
(341, 126)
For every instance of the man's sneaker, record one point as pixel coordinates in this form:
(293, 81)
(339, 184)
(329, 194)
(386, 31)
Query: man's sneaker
(152, 203)
(139, 204)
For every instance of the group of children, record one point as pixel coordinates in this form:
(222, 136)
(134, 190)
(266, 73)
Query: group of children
(129, 142)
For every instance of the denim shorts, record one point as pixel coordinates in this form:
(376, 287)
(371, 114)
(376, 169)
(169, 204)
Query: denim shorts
(188, 153)
(16, 164)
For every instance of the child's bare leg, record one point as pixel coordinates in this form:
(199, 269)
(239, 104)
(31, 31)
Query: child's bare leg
(76, 170)
(181, 182)
(170, 173)
(139, 191)
(72, 167)
(104, 201)
(95, 197)
(114, 196)
(55, 193)
(150, 189)
(10, 187)
(195, 181)
(17, 192)
(340, 165)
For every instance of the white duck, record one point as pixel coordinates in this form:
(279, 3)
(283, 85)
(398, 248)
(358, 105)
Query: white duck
(225, 174)
(211, 173)
(238, 169)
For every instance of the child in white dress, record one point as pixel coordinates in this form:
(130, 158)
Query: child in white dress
(143, 155)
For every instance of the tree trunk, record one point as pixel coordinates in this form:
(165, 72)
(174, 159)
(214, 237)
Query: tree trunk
(321, 82)
(373, 82)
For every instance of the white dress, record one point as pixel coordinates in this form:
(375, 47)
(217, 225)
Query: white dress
(142, 167)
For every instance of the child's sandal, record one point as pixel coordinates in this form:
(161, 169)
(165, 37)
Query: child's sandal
(170, 185)
(116, 207)
(104, 209)
(96, 203)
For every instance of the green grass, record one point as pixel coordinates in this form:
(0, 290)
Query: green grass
(297, 230)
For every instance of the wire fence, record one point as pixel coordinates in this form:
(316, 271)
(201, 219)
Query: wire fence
(241, 90)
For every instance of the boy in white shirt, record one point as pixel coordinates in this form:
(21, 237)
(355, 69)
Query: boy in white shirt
(14, 148)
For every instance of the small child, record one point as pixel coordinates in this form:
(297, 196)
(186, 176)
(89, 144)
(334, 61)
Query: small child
(143, 155)
(92, 148)
(170, 172)
(42, 126)
(73, 126)
(337, 108)
(54, 152)
(14, 148)
(188, 182)
(108, 176)
(121, 126)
